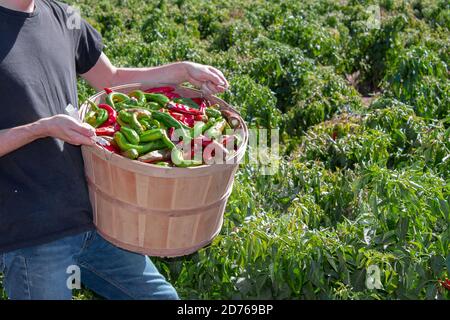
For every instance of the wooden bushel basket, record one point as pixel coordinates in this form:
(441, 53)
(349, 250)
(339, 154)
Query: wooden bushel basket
(154, 210)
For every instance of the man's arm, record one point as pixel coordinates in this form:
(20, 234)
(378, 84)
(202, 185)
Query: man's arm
(104, 74)
(60, 126)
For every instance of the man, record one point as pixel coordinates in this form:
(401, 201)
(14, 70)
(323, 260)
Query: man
(46, 223)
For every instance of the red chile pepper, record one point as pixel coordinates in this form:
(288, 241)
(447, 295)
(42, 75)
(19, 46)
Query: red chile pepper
(189, 120)
(201, 103)
(204, 139)
(171, 132)
(112, 114)
(177, 116)
(172, 95)
(112, 148)
(229, 141)
(108, 90)
(161, 90)
(186, 119)
(107, 131)
(200, 117)
(177, 107)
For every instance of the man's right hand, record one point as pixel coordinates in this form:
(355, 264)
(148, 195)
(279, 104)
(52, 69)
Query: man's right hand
(67, 129)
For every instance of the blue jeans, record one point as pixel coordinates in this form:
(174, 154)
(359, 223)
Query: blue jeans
(46, 271)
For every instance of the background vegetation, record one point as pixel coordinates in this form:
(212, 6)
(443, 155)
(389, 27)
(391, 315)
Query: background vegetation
(364, 115)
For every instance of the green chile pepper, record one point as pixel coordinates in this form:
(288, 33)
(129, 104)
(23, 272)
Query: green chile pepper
(198, 128)
(97, 116)
(132, 154)
(214, 113)
(179, 161)
(209, 124)
(135, 124)
(152, 135)
(125, 116)
(168, 120)
(162, 164)
(216, 130)
(124, 145)
(152, 106)
(159, 98)
(146, 123)
(130, 135)
(115, 98)
(121, 123)
(139, 96)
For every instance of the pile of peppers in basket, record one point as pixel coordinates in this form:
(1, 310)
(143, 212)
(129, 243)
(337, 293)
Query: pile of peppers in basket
(159, 126)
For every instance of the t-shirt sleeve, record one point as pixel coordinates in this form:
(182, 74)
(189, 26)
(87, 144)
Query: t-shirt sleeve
(88, 47)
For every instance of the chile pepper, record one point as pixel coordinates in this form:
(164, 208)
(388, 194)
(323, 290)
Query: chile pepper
(132, 154)
(156, 156)
(131, 135)
(108, 90)
(159, 98)
(178, 107)
(111, 144)
(114, 98)
(107, 131)
(138, 95)
(170, 132)
(125, 116)
(216, 130)
(167, 120)
(162, 164)
(96, 117)
(148, 123)
(152, 135)
(189, 120)
(198, 128)
(172, 95)
(210, 152)
(135, 124)
(188, 102)
(214, 113)
(186, 119)
(124, 145)
(200, 101)
(136, 114)
(112, 114)
(179, 161)
(201, 117)
(230, 142)
(152, 106)
(166, 89)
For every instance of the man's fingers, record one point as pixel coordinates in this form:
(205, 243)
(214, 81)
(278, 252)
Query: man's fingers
(208, 88)
(214, 78)
(219, 73)
(213, 88)
(84, 129)
(195, 82)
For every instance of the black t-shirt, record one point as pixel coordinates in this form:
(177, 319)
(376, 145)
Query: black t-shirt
(43, 192)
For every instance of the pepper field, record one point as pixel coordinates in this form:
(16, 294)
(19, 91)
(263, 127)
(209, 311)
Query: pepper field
(359, 207)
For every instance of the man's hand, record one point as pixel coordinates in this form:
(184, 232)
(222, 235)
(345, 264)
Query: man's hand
(60, 126)
(67, 129)
(104, 74)
(207, 78)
